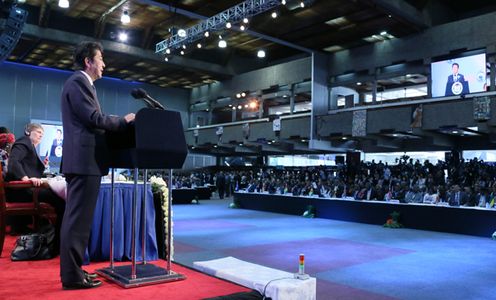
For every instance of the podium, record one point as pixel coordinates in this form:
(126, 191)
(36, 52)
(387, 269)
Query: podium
(156, 141)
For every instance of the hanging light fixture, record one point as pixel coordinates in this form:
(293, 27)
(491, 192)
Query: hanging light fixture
(181, 33)
(222, 44)
(125, 18)
(64, 3)
(122, 36)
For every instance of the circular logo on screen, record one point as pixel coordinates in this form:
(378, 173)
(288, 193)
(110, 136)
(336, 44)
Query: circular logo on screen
(58, 151)
(457, 88)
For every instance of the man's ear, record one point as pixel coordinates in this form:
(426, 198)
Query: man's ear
(87, 62)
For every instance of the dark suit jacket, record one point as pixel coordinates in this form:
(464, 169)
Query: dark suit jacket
(450, 82)
(24, 161)
(84, 149)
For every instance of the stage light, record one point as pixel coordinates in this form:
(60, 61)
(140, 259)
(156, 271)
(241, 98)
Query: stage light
(238, 95)
(222, 44)
(242, 27)
(261, 53)
(206, 34)
(64, 3)
(122, 36)
(273, 15)
(253, 104)
(181, 33)
(246, 105)
(182, 52)
(166, 58)
(125, 18)
(283, 2)
(234, 108)
(240, 107)
(245, 20)
(243, 94)
(184, 46)
(383, 32)
(359, 83)
(302, 4)
(230, 105)
(228, 25)
(167, 51)
(198, 46)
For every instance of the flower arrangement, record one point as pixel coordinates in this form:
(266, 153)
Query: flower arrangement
(393, 220)
(159, 186)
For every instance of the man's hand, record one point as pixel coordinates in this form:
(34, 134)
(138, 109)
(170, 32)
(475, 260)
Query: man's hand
(34, 180)
(129, 117)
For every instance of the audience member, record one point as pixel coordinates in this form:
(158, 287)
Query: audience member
(25, 164)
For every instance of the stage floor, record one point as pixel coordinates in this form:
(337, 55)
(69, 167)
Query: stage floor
(350, 260)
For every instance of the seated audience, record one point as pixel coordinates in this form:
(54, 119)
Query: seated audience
(6, 141)
(25, 164)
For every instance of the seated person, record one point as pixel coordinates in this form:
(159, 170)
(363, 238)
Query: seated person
(6, 141)
(25, 164)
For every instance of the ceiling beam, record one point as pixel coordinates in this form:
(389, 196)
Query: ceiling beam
(73, 39)
(193, 15)
(403, 10)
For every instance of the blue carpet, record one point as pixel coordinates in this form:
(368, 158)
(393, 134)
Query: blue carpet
(350, 260)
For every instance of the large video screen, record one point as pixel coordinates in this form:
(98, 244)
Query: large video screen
(459, 76)
(51, 144)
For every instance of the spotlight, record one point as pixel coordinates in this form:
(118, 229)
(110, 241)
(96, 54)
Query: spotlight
(283, 2)
(243, 94)
(64, 3)
(253, 104)
(383, 32)
(167, 51)
(234, 108)
(302, 4)
(125, 18)
(166, 58)
(198, 45)
(228, 25)
(245, 20)
(273, 15)
(182, 52)
(238, 95)
(246, 105)
(261, 53)
(242, 27)
(122, 36)
(222, 44)
(181, 33)
(184, 46)
(206, 34)
(240, 107)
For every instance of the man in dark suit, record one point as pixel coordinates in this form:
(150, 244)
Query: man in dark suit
(83, 161)
(456, 83)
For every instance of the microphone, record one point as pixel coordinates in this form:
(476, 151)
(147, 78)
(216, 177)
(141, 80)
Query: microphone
(150, 102)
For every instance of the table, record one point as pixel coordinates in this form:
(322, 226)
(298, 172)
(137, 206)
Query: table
(183, 195)
(99, 244)
(464, 220)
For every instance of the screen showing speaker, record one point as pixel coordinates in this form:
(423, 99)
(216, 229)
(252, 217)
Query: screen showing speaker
(51, 143)
(459, 76)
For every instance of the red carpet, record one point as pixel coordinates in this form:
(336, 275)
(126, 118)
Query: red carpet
(38, 280)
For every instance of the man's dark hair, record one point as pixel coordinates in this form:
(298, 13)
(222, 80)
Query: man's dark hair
(455, 64)
(85, 50)
(4, 130)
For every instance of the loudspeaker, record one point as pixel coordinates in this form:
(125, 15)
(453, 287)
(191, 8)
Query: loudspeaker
(13, 30)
